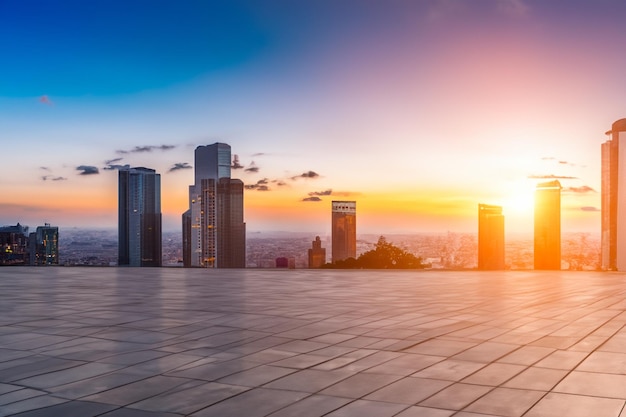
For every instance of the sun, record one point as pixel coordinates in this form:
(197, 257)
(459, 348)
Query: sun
(520, 201)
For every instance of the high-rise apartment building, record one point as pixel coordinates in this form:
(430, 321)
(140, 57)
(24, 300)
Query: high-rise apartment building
(214, 231)
(490, 237)
(343, 230)
(317, 254)
(44, 245)
(14, 247)
(548, 225)
(613, 200)
(139, 217)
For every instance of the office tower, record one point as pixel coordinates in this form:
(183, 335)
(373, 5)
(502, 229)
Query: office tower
(343, 230)
(548, 225)
(214, 232)
(317, 254)
(44, 245)
(613, 233)
(490, 237)
(139, 217)
(14, 245)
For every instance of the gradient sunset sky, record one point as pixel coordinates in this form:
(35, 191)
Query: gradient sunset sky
(418, 110)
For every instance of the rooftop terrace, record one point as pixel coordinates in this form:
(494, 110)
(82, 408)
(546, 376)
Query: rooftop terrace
(172, 342)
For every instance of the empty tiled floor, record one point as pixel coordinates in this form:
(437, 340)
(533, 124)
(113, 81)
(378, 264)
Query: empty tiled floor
(173, 342)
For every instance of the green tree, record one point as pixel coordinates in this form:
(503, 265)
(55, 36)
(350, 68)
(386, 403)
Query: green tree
(383, 256)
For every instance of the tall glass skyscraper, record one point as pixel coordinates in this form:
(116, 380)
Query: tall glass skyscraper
(44, 245)
(613, 233)
(343, 230)
(548, 226)
(139, 217)
(214, 232)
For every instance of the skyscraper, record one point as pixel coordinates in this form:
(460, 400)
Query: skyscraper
(44, 245)
(14, 245)
(613, 233)
(490, 237)
(548, 225)
(317, 254)
(343, 230)
(214, 232)
(139, 217)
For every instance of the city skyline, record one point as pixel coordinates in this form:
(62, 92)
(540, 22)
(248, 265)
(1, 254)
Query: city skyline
(417, 110)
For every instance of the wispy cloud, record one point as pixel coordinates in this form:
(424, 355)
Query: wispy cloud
(315, 195)
(53, 178)
(321, 193)
(589, 208)
(146, 148)
(45, 169)
(112, 161)
(261, 185)
(87, 170)
(312, 198)
(551, 177)
(258, 154)
(178, 166)
(253, 168)
(579, 190)
(236, 164)
(307, 174)
(113, 167)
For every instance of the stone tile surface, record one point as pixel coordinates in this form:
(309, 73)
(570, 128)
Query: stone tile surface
(167, 342)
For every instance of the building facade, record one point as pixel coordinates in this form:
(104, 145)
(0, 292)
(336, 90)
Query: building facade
(343, 230)
(548, 226)
(490, 237)
(214, 231)
(14, 247)
(139, 217)
(44, 245)
(317, 254)
(613, 199)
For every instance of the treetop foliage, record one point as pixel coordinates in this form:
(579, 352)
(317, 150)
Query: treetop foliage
(384, 256)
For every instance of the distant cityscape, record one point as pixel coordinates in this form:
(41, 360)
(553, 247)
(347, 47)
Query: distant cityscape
(214, 231)
(93, 247)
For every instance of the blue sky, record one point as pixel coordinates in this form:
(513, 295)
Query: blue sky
(418, 110)
(109, 48)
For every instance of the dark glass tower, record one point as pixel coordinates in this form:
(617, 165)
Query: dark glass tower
(139, 217)
(490, 237)
(214, 231)
(44, 245)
